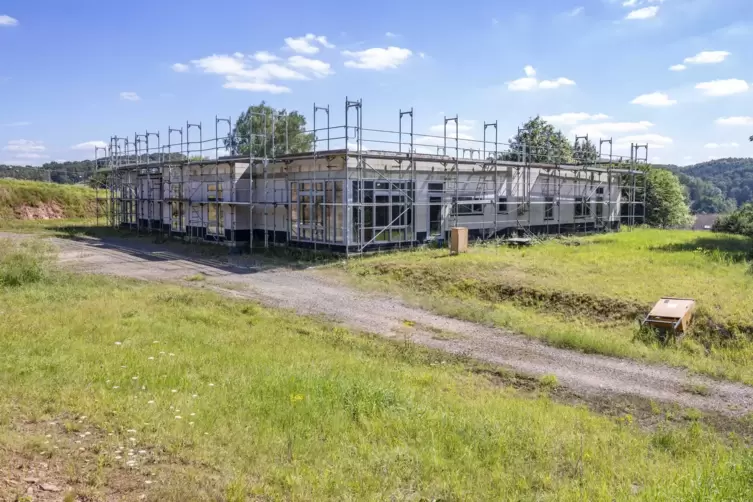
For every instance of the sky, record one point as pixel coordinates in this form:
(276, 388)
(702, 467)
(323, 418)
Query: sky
(675, 74)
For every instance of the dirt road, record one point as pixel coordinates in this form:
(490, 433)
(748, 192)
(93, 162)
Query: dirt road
(308, 292)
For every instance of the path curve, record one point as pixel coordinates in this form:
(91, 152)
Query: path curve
(307, 293)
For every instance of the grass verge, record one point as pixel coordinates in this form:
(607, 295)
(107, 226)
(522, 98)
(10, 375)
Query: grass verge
(589, 294)
(21, 199)
(222, 399)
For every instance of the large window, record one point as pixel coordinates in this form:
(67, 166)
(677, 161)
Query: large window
(582, 207)
(468, 207)
(387, 211)
(502, 205)
(316, 211)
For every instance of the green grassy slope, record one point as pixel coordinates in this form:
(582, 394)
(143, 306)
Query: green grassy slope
(587, 293)
(72, 201)
(230, 401)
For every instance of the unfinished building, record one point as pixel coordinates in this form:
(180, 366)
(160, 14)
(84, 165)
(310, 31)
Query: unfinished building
(374, 190)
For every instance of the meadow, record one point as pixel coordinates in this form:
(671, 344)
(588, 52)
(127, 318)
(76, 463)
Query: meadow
(590, 293)
(122, 389)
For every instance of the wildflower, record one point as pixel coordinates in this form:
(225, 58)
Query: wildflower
(211, 385)
(118, 343)
(116, 387)
(294, 398)
(142, 452)
(193, 414)
(132, 439)
(148, 481)
(178, 417)
(155, 341)
(195, 396)
(150, 402)
(134, 378)
(150, 358)
(171, 354)
(118, 457)
(131, 431)
(162, 353)
(174, 391)
(190, 423)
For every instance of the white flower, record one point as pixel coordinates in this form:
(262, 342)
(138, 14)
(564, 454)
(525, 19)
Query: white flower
(150, 402)
(174, 391)
(211, 385)
(193, 414)
(190, 423)
(148, 481)
(178, 417)
(142, 452)
(134, 378)
(118, 457)
(124, 367)
(118, 343)
(195, 396)
(150, 358)
(171, 354)
(132, 439)
(162, 353)
(131, 431)
(115, 387)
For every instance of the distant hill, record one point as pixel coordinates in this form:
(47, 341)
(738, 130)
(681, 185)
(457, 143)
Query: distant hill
(717, 186)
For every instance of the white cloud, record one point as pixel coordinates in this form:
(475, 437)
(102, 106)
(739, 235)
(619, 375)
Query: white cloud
(316, 67)
(656, 99)
(89, 145)
(554, 84)
(31, 156)
(180, 67)
(735, 121)
(272, 71)
(8, 21)
(389, 34)
(575, 11)
(463, 127)
(723, 87)
(220, 64)
(530, 82)
(708, 57)
(714, 146)
(307, 43)
(652, 140)
(678, 67)
(265, 57)
(243, 85)
(129, 96)
(573, 118)
(607, 129)
(629, 3)
(377, 58)
(644, 13)
(24, 146)
(16, 124)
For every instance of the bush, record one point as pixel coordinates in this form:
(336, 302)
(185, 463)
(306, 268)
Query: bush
(22, 264)
(739, 222)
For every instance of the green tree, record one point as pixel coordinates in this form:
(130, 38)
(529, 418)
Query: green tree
(666, 203)
(539, 141)
(289, 136)
(584, 152)
(738, 222)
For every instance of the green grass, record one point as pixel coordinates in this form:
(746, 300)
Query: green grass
(275, 406)
(73, 201)
(589, 293)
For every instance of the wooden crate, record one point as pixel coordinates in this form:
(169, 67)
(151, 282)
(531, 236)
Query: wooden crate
(458, 240)
(672, 314)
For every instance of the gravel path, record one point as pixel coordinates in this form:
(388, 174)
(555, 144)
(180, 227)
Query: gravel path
(308, 292)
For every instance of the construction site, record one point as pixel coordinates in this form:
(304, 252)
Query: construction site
(352, 189)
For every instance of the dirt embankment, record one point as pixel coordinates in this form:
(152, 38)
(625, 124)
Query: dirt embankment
(35, 200)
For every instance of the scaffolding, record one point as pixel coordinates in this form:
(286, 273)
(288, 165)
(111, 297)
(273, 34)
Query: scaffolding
(268, 182)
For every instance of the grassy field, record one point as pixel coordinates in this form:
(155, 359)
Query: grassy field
(19, 199)
(126, 389)
(588, 293)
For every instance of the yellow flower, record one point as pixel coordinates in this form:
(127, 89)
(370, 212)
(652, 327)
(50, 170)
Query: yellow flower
(294, 398)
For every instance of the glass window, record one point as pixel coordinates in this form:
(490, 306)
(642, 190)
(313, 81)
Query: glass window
(502, 205)
(436, 187)
(468, 207)
(599, 207)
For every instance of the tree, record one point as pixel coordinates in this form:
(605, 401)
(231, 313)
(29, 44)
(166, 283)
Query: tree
(739, 222)
(585, 152)
(540, 142)
(666, 204)
(705, 197)
(289, 136)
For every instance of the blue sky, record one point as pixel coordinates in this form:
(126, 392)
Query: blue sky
(677, 74)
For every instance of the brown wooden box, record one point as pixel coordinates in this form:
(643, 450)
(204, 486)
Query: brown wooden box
(458, 240)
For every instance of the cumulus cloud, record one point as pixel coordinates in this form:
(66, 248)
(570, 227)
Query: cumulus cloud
(654, 99)
(129, 96)
(735, 121)
(180, 67)
(89, 145)
(723, 87)
(643, 13)
(6, 20)
(574, 118)
(678, 67)
(241, 72)
(707, 57)
(308, 44)
(377, 58)
(714, 146)
(652, 140)
(608, 129)
(463, 128)
(24, 146)
(531, 82)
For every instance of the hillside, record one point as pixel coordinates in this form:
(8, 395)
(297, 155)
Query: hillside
(37, 200)
(732, 176)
